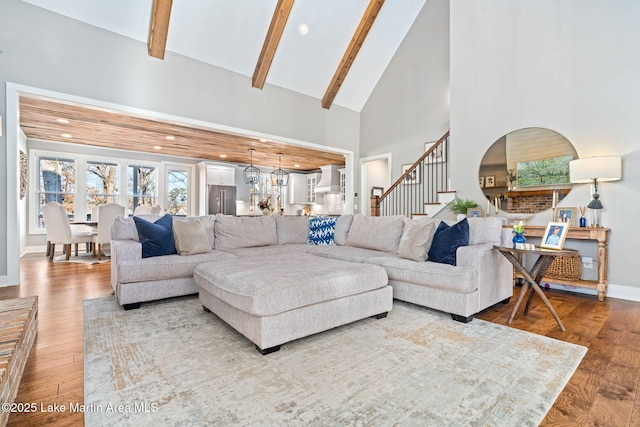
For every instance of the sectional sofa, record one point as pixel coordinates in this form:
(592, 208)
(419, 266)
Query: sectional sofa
(480, 278)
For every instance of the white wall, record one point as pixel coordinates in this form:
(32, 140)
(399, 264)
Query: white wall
(410, 104)
(44, 50)
(569, 66)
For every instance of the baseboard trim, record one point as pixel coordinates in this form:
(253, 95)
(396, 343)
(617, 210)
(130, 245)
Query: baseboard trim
(629, 293)
(35, 250)
(4, 281)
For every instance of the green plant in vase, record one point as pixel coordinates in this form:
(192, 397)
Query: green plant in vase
(460, 206)
(518, 231)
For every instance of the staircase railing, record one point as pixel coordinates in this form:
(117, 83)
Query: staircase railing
(419, 185)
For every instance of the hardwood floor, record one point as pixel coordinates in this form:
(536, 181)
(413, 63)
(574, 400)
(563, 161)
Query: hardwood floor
(602, 392)
(54, 372)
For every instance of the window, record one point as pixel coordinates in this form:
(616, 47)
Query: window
(56, 183)
(81, 182)
(101, 184)
(177, 191)
(142, 186)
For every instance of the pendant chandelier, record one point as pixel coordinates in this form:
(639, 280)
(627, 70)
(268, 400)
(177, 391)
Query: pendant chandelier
(279, 177)
(251, 173)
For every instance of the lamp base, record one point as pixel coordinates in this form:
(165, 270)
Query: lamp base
(595, 218)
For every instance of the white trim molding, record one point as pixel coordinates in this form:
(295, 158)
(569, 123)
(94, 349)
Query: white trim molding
(629, 293)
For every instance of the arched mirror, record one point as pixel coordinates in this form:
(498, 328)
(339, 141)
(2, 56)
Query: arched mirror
(524, 168)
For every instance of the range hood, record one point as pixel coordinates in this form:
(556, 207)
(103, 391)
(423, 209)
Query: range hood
(329, 180)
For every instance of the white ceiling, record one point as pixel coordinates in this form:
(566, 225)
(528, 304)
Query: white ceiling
(230, 34)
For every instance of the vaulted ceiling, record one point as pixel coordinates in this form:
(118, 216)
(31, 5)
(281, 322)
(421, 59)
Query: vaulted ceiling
(332, 50)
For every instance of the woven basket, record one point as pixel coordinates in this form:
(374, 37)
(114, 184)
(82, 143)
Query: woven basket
(567, 267)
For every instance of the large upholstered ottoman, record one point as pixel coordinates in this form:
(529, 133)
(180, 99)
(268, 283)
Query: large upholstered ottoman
(276, 299)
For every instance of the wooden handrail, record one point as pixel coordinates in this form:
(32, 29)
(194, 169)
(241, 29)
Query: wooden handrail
(376, 202)
(413, 166)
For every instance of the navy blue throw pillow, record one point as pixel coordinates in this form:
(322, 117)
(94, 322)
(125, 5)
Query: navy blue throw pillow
(156, 237)
(447, 240)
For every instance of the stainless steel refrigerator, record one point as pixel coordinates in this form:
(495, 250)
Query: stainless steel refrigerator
(222, 199)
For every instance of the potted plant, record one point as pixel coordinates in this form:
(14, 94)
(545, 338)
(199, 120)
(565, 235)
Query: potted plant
(459, 206)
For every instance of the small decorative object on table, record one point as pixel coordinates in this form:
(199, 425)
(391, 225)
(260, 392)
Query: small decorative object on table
(583, 220)
(461, 206)
(554, 235)
(567, 215)
(518, 238)
(265, 206)
(474, 213)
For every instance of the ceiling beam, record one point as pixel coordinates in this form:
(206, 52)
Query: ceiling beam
(271, 41)
(159, 27)
(357, 40)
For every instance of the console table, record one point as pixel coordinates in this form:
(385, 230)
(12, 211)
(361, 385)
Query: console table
(601, 235)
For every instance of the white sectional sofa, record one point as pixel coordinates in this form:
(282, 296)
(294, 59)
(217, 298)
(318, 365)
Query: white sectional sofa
(480, 278)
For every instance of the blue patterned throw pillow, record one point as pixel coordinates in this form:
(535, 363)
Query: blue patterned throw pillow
(321, 231)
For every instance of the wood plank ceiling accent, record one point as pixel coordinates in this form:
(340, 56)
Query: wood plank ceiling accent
(271, 41)
(350, 54)
(92, 126)
(159, 27)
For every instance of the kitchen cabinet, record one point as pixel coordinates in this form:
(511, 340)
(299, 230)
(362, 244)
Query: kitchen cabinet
(217, 175)
(212, 174)
(312, 180)
(297, 189)
(301, 189)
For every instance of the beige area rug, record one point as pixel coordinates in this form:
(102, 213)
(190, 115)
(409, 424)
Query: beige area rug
(170, 363)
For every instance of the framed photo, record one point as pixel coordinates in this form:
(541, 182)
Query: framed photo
(474, 213)
(413, 177)
(437, 156)
(481, 181)
(554, 235)
(567, 215)
(377, 191)
(490, 181)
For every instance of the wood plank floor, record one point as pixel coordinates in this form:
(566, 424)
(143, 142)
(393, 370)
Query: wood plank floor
(602, 392)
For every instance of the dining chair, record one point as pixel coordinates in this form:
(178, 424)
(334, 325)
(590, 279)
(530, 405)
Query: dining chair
(94, 213)
(142, 210)
(107, 214)
(156, 210)
(59, 231)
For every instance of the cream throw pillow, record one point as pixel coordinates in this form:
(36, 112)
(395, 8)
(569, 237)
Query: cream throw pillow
(416, 240)
(380, 233)
(191, 237)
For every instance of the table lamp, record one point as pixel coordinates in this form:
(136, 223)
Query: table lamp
(592, 170)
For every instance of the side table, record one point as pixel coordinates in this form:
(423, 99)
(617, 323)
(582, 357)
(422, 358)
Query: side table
(533, 277)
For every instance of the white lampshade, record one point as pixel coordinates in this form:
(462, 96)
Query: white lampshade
(605, 168)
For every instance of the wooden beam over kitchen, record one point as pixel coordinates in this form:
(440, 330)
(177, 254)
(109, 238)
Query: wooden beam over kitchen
(357, 40)
(271, 41)
(159, 27)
